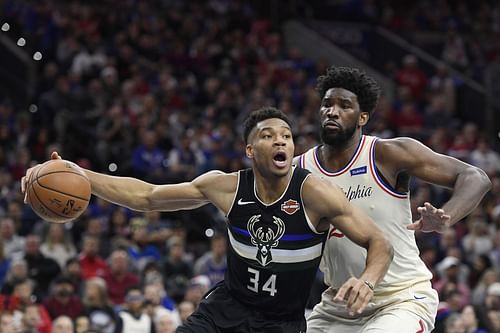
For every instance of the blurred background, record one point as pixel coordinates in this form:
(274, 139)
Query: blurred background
(158, 90)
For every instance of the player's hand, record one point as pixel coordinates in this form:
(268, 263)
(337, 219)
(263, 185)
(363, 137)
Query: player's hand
(357, 294)
(431, 219)
(25, 180)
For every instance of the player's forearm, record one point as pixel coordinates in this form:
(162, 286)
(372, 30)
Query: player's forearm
(470, 188)
(378, 259)
(124, 191)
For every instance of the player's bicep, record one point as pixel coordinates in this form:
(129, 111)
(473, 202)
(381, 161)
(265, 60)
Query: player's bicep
(356, 225)
(420, 161)
(176, 196)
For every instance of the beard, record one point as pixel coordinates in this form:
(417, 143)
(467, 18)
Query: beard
(337, 138)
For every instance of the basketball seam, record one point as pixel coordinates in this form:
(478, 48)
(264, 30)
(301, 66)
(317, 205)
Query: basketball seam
(61, 192)
(52, 172)
(41, 203)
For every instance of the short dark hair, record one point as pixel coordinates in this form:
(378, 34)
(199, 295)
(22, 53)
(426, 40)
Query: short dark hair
(259, 115)
(365, 87)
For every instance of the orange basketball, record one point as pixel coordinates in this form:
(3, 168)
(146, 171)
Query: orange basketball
(59, 191)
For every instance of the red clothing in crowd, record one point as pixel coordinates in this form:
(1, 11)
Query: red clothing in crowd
(117, 286)
(71, 309)
(92, 266)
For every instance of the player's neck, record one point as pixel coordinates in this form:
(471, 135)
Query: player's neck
(335, 157)
(270, 189)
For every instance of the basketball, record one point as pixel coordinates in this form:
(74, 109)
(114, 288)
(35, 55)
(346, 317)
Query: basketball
(59, 191)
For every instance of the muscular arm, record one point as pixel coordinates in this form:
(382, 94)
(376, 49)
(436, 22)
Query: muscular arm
(214, 186)
(327, 204)
(405, 155)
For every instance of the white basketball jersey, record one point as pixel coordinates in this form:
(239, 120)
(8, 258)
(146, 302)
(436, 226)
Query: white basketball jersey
(365, 189)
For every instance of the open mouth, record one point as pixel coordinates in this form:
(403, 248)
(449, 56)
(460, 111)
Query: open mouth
(279, 159)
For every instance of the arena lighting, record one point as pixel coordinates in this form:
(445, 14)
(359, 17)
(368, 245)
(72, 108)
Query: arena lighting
(209, 232)
(33, 108)
(5, 27)
(112, 167)
(37, 56)
(21, 42)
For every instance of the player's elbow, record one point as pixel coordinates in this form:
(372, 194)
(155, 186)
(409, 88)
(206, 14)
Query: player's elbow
(480, 178)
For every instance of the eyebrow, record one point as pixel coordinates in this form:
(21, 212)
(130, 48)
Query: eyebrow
(269, 128)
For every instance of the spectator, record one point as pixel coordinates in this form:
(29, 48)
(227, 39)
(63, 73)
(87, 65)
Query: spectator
(454, 324)
(62, 324)
(91, 264)
(97, 305)
(472, 320)
(148, 160)
(485, 158)
(198, 287)
(450, 282)
(186, 308)
(119, 278)
(63, 301)
(82, 324)
(213, 264)
(177, 269)
(165, 322)
(140, 250)
(40, 268)
(412, 76)
(57, 245)
(24, 290)
(31, 319)
(12, 243)
(132, 318)
(8, 324)
(4, 264)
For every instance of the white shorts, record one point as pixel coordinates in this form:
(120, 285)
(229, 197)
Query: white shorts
(409, 311)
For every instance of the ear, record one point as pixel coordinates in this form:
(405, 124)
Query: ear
(363, 118)
(249, 150)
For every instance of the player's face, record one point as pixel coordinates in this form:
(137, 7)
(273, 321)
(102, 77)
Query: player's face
(271, 147)
(340, 116)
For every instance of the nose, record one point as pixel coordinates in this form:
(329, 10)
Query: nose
(333, 111)
(280, 141)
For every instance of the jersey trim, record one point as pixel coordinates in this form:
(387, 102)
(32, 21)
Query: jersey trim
(279, 255)
(285, 237)
(235, 194)
(345, 168)
(282, 194)
(378, 179)
(302, 160)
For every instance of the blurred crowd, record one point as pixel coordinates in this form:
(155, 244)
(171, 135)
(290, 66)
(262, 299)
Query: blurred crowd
(157, 90)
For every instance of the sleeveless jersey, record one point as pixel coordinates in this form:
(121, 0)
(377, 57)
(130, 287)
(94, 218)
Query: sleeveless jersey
(274, 250)
(367, 190)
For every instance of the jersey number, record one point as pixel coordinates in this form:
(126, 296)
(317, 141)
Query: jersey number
(269, 285)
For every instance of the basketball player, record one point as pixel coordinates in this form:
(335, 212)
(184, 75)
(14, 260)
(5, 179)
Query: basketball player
(278, 220)
(374, 175)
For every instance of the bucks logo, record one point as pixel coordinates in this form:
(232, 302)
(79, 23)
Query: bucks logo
(265, 237)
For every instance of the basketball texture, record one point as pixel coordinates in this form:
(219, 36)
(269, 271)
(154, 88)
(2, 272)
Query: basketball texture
(58, 191)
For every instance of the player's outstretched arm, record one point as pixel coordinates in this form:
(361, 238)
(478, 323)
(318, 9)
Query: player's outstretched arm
(327, 202)
(469, 183)
(138, 195)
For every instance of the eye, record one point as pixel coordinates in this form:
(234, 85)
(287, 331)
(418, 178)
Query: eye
(266, 136)
(287, 136)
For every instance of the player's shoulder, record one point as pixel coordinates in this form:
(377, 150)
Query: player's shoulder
(298, 160)
(396, 147)
(220, 179)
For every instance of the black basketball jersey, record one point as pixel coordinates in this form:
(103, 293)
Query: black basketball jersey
(274, 252)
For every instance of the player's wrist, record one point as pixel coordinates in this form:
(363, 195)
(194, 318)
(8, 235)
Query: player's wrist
(369, 284)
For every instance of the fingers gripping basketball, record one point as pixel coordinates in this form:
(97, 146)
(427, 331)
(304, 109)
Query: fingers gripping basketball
(58, 191)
